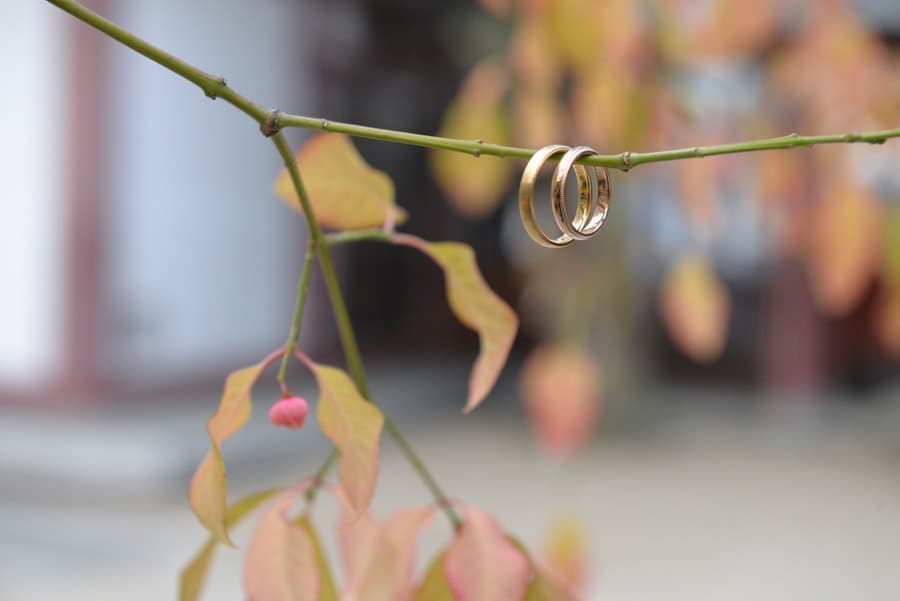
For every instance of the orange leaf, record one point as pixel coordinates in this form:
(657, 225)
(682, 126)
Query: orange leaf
(845, 249)
(381, 558)
(354, 426)
(695, 308)
(477, 307)
(207, 491)
(345, 192)
(482, 564)
(475, 185)
(561, 386)
(281, 563)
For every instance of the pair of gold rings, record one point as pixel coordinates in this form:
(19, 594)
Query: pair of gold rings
(589, 216)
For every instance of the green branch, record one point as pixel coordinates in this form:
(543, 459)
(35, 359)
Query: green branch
(271, 121)
(302, 293)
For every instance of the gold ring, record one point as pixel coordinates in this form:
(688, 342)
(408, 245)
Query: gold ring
(586, 224)
(526, 198)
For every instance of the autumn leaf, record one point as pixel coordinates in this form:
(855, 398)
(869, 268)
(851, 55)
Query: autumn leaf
(477, 307)
(345, 192)
(207, 492)
(845, 246)
(380, 558)
(695, 308)
(434, 586)
(327, 589)
(354, 426)
(475, 185)
(482, 564)
(561, 387)
(565, 556)
(193, 577)
(281, 563)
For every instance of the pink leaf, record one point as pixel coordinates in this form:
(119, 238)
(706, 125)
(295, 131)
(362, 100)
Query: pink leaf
(208, 487)
(380, 559)
(477, 307)
(281, 562)
(482, 565)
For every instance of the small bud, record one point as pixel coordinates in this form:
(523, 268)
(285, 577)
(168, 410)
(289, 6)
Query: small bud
(289, 412)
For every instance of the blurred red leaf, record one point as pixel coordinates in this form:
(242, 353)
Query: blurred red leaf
(845, 246)
(562, 389)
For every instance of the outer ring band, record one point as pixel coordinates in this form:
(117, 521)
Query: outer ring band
(526, 198)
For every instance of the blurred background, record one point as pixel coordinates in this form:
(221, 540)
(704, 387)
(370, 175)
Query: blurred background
(710, 388)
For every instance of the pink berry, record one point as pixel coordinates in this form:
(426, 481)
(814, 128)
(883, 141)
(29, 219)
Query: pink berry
(289, 412)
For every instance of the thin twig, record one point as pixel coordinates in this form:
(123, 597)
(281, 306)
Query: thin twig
(302, 293)
(271, 120)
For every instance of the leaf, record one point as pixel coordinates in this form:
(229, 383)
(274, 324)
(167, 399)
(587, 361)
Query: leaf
(327, 589)
(887, 320)
(695, 308)
(354, 426)
(561, 387)
(281, 562)
(845, 246)
(477, 307)
(381, 558)
(482, 564)
(207, 492)
(475, 185)
(345, 192)
(565, 556)
(434, 586)
(193, 576)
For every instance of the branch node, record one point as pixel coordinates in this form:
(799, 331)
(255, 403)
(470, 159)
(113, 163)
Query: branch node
(324, 123)
(270, 126)
(626, 159)
(220, 83)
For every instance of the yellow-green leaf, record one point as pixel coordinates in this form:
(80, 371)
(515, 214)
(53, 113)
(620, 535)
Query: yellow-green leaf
(207, 493)
(475, 185)
(345, 192)
(477, 307)
(327, 589)
(435, 586)
(193, 577)
(354, 426)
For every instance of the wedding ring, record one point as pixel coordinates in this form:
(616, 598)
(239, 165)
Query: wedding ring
(526, 198)
(586, 222)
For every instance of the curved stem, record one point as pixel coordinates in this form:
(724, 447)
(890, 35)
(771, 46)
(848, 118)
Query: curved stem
(270, 121)
(348, 338)
(302, 293)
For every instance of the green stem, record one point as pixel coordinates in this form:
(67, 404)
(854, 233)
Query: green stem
(345, 329)
(302, 293)
(377, 235)
(271, 121)
(317, 239)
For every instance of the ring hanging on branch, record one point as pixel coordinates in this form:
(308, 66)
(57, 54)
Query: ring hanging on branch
(594, 196)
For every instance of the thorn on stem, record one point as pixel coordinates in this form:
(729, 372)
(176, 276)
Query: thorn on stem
(270, 127)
